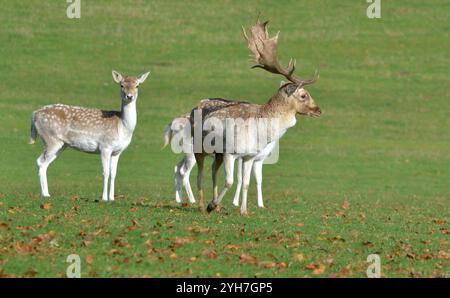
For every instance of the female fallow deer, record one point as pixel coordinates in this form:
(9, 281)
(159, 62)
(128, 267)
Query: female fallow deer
(290, 100)
(88, 130)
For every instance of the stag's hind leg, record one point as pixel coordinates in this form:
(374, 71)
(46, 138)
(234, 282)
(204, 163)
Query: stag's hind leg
(53, 148)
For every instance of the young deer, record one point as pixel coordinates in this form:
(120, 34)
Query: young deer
(186, 164)
(88, 130)
(290, 100)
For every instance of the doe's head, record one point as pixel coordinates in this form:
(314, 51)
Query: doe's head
(129, 85)
(300, 99)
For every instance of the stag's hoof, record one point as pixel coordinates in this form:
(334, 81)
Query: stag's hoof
(211, 207)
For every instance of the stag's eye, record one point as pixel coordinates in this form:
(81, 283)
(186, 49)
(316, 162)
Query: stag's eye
(121, 86)
(303, 96)
(137, 86)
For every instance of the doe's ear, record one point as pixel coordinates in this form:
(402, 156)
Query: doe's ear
(117, 77)
(143, 77)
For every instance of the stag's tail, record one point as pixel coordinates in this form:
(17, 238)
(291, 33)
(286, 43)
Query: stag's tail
(34, 133)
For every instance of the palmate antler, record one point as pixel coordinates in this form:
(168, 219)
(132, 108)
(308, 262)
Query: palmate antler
(264, 50)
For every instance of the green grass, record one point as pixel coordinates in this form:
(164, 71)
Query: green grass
(370, 176)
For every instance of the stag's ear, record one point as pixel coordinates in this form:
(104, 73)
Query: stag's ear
(117, 77)
(143, 77)
(289, 89)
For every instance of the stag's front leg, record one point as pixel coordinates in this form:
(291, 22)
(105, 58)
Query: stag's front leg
(106, 161)
(246, 171)
(113, 166)
(229, 173)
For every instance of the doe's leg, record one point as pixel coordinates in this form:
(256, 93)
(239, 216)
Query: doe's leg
(113, 171)
(51, 152)
(106, 160)
(237, 194)
(257, 172)
(190, 163)
(200, 158)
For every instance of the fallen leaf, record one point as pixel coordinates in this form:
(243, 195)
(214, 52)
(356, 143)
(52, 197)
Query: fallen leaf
(248, 259)
(46, 206)
(89, 260)
(345, 204)
(180, 241)
(299, 257)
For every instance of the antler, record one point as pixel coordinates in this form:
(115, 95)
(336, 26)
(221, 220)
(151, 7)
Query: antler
(264, 50)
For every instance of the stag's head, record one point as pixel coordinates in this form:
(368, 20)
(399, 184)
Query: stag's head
(129, 85)
(300, 100)
(264, 50)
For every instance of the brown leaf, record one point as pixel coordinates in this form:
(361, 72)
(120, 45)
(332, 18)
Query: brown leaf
(46, 206)
(248, 259)
(367, 243)
(212, 254)
(444, 255)
(316, 268)
(4, 226)
(345, 204)
(319, 270)
(299, 257)
(180, 241)
(89, 260)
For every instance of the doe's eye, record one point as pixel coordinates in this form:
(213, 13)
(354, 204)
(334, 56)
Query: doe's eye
(303, 96)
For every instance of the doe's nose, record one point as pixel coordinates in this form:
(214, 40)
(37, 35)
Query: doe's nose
(129, 96)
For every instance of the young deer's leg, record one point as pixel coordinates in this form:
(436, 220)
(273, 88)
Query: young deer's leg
(200, 158)
(246, 171)
(190, 163)
(106, 159)
(113, 171)
(257, 172)
(229, 173)
(51, 152)
(179, 176)
(237, 194)
(218, 160)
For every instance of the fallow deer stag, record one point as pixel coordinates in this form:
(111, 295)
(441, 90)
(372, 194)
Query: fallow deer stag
(88, 130)
(291, 99)
(186, 164)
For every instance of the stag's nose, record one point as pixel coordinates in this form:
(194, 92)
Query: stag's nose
(129, 96)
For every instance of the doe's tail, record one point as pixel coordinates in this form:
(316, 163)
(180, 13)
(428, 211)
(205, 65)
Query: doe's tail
(174, 127)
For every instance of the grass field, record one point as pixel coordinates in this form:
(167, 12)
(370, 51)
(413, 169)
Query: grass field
(371, 176)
